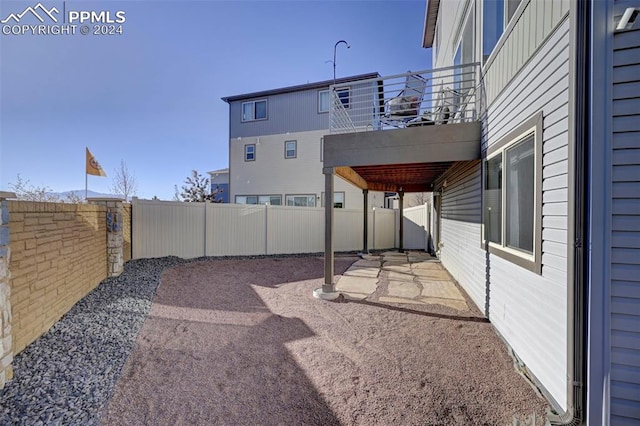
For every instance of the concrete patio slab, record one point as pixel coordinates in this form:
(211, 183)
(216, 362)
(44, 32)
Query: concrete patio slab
(362, 272)
(403, 289)
(356, 287)
(441, 289)
(427, 265)
(400, 300)
(401, 275)
(460, 305)
(432, 274)
(371, 257)
(367, 263)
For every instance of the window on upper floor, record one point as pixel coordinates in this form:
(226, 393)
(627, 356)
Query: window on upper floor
(496, 15)
(304, 200)
(338, 200)
(324, 101)
(250, 152)
(290, 149)
(513, 196)
(344, 94)
(465, 54)
(254, 110)
(272, 200)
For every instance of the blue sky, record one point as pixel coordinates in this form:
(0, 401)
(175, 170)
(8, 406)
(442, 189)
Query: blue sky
(151, 96)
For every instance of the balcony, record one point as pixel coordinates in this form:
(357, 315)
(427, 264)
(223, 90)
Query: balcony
(400, 133)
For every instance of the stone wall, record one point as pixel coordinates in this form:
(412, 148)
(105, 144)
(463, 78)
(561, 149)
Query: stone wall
(58, 254)
(126, 231)
(6, 350)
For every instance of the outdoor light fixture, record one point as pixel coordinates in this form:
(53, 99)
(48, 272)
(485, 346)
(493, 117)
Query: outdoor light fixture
(334, 57)
(628, 19)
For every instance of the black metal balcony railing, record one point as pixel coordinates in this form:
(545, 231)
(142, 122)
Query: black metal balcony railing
(423, 98)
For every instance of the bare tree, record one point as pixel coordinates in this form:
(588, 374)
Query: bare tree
(124, 182)
(197, 189)
(176, 193)
(419, 199)
(26, 191)
(73, 198)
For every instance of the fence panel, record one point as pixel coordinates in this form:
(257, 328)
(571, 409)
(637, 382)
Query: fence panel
(385, 228)
(162, 228)
(347, 235)
(416, 228)
(295, 230)
(168, 228)
(236, 230)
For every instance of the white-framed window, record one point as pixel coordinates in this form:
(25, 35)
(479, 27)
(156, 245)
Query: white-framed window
(465, 54)
(324, 101)
(272, 200)
(250, 152)
(344, 94)
(301, 200)
(254, 110)
(496, 15)
(338, 200)
(290, 149)
(513, 196)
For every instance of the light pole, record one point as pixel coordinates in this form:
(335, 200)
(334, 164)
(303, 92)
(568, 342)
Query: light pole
(334, 57)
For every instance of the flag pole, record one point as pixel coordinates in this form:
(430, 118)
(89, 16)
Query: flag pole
(86, 182)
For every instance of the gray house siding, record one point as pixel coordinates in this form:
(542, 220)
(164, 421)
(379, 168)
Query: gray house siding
(528, 309)
(297, 112)
(625, 230)
(461, 219)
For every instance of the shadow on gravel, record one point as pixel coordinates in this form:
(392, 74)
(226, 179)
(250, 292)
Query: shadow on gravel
(416, 312)
(211, 352)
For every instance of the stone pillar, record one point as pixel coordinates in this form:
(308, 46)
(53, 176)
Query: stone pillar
(115, 235)
(6, 346)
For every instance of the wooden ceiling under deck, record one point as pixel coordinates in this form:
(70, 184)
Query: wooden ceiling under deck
(411, 158)
(413, 177)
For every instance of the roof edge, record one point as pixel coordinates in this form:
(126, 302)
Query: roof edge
(307, 86)
(430, 19)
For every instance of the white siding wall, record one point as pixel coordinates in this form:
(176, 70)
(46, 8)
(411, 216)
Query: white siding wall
(164, 228)
(461, 249)
(530, 310)
(272, 174)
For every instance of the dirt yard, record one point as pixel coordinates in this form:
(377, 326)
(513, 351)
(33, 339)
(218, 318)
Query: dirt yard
(243, 342)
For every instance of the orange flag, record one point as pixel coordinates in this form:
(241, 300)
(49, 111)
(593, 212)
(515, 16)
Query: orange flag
(93, 167)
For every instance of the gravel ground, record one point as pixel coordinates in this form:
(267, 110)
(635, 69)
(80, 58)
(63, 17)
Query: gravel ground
(241, 341)
(67, 375)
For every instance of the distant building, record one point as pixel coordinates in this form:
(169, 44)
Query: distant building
(275, 143)
(220, 183)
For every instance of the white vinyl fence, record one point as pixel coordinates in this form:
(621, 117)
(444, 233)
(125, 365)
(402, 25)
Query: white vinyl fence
(416, 227)
(167, 228)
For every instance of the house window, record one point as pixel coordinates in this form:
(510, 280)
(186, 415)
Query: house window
(343, 94)
(324, 101)
(254, 110)
(513, 195)
(306, 200)
(496, 15)
(338, 200)
(273, 200)
(290, 149)
(250, 152)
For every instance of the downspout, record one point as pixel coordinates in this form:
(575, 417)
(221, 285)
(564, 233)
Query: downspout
(577, 331)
